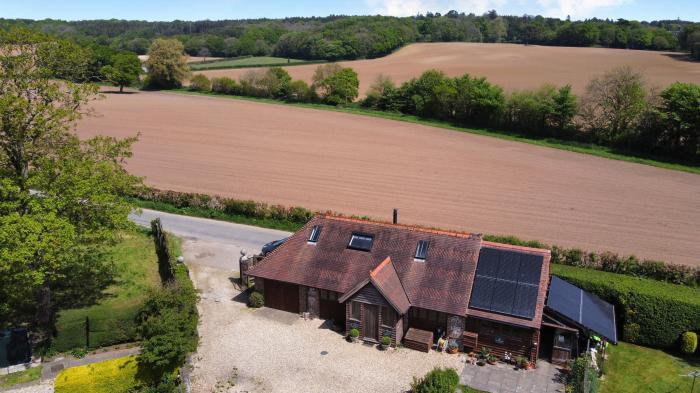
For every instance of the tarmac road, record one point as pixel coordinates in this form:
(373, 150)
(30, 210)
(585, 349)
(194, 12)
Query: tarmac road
(210, 242)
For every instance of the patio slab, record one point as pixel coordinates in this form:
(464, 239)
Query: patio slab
(502, 378)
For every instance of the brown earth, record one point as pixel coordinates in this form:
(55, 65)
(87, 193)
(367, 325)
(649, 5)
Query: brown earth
(367, 166)
(514, 67)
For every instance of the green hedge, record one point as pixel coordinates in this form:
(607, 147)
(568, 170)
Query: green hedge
(648, 312)
(439, 380)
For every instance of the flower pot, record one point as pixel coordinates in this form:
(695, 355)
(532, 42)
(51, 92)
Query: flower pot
(452, 351)
(481, 363)
(491, 362)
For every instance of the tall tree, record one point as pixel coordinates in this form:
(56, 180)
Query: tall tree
(124, 70)
(61, 203)
(166, 64)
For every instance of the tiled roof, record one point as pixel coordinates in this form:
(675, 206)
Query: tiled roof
(442, 282)
(385, 278)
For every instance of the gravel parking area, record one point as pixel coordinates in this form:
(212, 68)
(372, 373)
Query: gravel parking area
(244, 350)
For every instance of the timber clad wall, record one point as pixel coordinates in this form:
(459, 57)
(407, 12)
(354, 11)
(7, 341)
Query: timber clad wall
(501, 338)
(395, 332)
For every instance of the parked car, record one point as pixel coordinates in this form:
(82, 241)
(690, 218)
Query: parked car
(271, 246)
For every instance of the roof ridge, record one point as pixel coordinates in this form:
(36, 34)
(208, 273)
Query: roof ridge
(412, 227)
(379, 267)
(516, 247)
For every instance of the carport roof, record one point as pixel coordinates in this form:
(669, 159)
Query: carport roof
(582, 308)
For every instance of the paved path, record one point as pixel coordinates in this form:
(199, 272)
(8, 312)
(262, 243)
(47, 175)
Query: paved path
(502, 378)
(213, 243)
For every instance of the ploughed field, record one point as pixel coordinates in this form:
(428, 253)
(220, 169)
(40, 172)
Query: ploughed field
(514, 67)
(367, 166)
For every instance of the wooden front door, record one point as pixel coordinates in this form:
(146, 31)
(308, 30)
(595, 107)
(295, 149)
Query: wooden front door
(370, 323)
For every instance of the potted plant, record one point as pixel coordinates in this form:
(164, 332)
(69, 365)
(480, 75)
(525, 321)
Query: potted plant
(480, 362)
(353, 335)
(491, 359)
(452, 347)
(484, 353)
(522, 362)
(530, 365)
(386, 343)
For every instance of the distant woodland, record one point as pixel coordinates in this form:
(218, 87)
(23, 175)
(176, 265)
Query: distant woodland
(356, 37)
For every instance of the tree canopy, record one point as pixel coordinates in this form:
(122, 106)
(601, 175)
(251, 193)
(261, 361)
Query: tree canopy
(61, 203)
(166, 64)
(123, 71)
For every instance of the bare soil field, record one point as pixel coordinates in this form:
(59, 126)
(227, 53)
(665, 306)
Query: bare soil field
(514, 67)
(436, 177)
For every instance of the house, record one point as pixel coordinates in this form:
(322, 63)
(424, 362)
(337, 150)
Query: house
(386, 279)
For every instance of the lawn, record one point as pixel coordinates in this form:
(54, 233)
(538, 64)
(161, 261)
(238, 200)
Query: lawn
(112, 319)
(112, 376)
(25, 376)
(241, 62)
(631, 368)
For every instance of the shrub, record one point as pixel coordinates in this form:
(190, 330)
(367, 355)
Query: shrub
(256, 300)
(651, 313)
(439, 380)
(78, 353)
(118, 375)
(386, 340)
(689, 343)
(354, 333)
(200, 82)
(224, 85)
(168, 326)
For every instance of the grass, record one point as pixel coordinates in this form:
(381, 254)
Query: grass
(111, 376)
(468, 389)
(244, 62)
(219, 215)
(112, 319)
(634, 369)
(572, 146)
(17, 378)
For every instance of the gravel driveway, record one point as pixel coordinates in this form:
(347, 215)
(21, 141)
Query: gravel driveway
(273, 351)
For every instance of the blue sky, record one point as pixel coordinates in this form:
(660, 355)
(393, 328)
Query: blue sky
(235, 9)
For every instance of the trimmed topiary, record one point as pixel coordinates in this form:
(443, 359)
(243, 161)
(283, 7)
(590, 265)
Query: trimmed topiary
(256, 300)
(689, 343)
(386, 341)
(354, 333)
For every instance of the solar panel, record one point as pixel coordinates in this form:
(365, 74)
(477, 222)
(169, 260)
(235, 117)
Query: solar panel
(507, 282)
(503, 296)
(583, 308)
(482, 293)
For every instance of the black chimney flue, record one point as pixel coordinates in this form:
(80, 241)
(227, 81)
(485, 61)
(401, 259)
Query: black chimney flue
(396, 216)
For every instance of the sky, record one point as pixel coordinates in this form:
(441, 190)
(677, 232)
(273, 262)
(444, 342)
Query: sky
(165, 10)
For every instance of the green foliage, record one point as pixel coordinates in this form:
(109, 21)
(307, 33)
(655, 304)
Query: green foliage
(124, 70)
(20, 377)
(200, 82)
(112, 318)
(78, 353)
(256, 300)
(575, 379)
(334, 84)
(640, 304)
(546, 111)
(224, 85)
(386, 340)
(689, 343)
(53, 241)
(354, 333)
(168, 327)
(438, 380)
(166, 64)
(678, 120)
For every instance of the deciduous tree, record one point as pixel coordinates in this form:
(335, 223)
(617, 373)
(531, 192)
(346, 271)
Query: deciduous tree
(166, 64)
(124, 70)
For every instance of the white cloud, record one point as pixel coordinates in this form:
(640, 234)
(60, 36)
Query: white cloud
(576, 8)
(414, 7)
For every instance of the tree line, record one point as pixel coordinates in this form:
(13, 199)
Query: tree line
(619, 109)
(354, 37)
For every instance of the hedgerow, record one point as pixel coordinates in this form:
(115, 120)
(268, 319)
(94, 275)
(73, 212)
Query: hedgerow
(650, 313)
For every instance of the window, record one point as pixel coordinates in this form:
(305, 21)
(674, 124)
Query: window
(421, 250)
(388, 316)
(315, 232)
(361, 242)
(355, 310)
